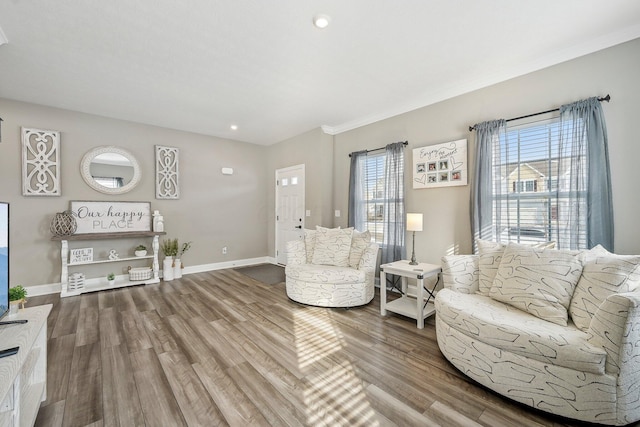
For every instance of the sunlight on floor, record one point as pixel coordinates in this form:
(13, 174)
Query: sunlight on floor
(316, 338)
(334, 395)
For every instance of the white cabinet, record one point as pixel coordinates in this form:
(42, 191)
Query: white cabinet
(23, 376)
(102, 284)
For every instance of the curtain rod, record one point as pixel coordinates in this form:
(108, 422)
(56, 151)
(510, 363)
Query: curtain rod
(381, 148)
(606, 98)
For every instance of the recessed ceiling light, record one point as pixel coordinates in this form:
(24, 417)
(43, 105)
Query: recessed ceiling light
(234, 127)
(321, 21)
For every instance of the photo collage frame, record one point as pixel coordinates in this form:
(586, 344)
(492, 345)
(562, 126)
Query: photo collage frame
(440, 165)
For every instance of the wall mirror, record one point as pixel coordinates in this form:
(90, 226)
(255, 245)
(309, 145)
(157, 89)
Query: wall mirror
(110, 170)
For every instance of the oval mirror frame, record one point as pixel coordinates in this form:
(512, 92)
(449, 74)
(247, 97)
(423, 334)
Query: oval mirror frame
(85, 169)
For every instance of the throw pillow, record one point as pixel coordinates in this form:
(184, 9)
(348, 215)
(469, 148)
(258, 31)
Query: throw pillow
(489, 256)
(604, 274)
(538, 281)
(359, 243)
(332, 246)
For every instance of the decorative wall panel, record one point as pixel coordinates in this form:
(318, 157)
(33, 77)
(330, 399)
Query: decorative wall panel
(40, 162)
(167, 172)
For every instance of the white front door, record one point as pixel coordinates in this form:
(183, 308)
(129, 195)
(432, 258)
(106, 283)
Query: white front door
(289, 208)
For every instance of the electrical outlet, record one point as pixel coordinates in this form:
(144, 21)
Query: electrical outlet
(224, 250)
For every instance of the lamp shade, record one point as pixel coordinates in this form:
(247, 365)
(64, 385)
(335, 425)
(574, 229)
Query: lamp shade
(414, 222)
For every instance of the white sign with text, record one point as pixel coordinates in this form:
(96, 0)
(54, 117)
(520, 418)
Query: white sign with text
(80, 255)
(111, 217)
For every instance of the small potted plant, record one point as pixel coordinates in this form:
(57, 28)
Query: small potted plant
(111, 278)
(17, 297)
(141, 250)
(169, 247)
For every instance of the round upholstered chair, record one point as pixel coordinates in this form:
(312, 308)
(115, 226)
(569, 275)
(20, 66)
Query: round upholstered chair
(332, 268)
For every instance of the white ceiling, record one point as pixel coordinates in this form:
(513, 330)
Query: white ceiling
(202, 65)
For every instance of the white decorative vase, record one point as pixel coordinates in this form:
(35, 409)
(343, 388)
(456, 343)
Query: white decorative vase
(14, 306)
(111, 282)
(167, 269)
(177, 268)
(141, 253)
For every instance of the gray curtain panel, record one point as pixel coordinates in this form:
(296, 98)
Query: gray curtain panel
(584, 143)
(394, 228)
(357, 189)
(485, 183)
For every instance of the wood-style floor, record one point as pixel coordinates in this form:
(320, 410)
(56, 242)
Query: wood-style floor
(220, 348)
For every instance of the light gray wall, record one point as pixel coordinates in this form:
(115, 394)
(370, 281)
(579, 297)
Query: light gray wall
(214, 210)
(314, 149)
(446, 210)
(238, 211)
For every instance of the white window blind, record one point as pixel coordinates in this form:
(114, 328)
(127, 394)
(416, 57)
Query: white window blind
(531, 186)
(374, 195)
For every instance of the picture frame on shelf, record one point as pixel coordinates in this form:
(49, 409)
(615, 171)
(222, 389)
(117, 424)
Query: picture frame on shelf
(79, 255)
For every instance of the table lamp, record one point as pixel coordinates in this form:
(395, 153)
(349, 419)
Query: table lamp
(414, 223)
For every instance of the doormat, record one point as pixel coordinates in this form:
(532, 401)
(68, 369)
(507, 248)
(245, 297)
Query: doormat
(270, 274)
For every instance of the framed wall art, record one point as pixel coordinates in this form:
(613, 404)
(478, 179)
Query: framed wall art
(440, 165)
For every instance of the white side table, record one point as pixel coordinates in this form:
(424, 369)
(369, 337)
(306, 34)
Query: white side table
(414, 308)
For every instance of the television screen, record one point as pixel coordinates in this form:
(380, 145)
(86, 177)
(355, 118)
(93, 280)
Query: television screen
(4, 259)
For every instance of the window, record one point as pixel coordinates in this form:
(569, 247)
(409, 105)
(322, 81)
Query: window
(530, 186)
(526, 186)
(374, 196)
(567, 157)
(109, 182)
(374, 210)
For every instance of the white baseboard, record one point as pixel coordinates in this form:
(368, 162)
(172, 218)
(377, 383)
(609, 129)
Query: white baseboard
(37, 290)
(55, 288)
(227, 264)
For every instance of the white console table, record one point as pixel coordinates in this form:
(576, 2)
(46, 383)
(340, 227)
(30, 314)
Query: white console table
(23, 376)
(64, 258)
(416, 308)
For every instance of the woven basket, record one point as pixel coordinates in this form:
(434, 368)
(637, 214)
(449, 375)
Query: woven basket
(140, 273)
